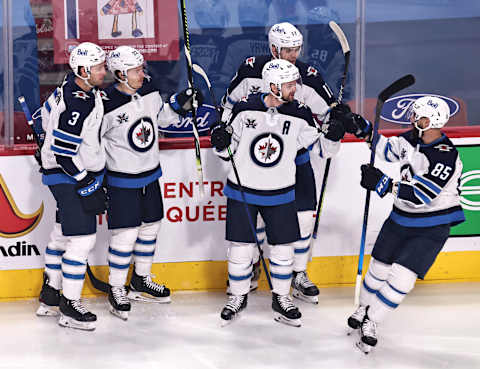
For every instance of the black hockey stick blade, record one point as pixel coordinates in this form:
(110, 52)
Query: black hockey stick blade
(97, 283)
(396, 86)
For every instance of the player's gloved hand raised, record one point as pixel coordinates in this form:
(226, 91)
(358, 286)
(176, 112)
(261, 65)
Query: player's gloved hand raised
(92, 195)
(182, 102)
(353, 123)
(374, 179)
(333, 130)
(220, 136)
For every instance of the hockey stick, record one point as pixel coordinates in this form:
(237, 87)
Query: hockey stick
(196, 137)
(395, 87)
(346, 53)
(97, 283)
(198, 69)
(38, 133)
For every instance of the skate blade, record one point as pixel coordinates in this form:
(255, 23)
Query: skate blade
(310, 299)
(291, 322)
(45, 310)
(224, 322)
(68, 322)
(118, 313)
(144, 297)
(363, 347)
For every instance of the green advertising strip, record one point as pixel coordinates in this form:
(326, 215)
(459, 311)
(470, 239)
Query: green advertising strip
(469, 191)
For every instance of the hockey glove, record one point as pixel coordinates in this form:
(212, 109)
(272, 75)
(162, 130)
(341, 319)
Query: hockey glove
(374, 179)
(92, 195)
(220, 136)
(353, 123)
(333, 130)
(182, 102)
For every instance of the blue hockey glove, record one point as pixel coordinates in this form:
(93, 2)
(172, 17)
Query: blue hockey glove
(220, 136)
(92, 195)
(182, 102)
(374, 179)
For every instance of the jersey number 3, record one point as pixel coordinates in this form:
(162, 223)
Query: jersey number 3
(75, 116)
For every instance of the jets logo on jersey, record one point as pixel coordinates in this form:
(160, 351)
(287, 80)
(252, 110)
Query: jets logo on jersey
(251, 123)
(250, 61)
(311, 71)
(80, 95)
(254, 90)
(104, 96)
(122, 118)
(266, 150)
(443, 147)
(141, 134)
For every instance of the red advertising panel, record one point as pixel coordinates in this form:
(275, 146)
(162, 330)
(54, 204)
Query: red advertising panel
(150, 26)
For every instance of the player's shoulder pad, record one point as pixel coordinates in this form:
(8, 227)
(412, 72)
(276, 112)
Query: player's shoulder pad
(441, 151)
(409, 136)
(252, 66)
(312, 77)
(113, 98)
(298, 110)
(77, 99)
(252, 102)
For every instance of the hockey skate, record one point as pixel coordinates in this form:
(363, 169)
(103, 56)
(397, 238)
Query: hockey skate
(284, 311)
(303, 288)
(142, 288)
(355, 320)
(74, 315)
(49, 299)
(119, 305)
(232, 309)
(253, 282)
(368, 334)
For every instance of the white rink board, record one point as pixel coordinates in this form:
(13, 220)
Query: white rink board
(199, 234)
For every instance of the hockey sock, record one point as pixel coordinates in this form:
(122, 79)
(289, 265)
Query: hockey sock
(53, 257)
(120, 253)
(240, 267)
(375, 278)
(281, 265)
(302, 246)
(399, 283)
(74, 264)
(145, 247)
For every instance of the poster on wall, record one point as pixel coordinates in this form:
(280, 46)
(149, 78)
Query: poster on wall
(148, 25)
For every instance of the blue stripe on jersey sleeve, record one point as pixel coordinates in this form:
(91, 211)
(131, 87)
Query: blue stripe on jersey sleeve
(66, 137)
(421, 196)
(433, 186)
(60, 151)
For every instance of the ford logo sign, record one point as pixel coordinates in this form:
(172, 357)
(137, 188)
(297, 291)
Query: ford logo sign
(395, 110)
(206, 115)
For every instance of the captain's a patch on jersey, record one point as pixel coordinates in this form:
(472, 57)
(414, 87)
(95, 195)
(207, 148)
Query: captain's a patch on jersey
(266, 149)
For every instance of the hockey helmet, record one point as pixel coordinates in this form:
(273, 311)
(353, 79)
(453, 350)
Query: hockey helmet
(277, 72)
(431, 107)
(122, 59)
(284, 35)
(86, 55)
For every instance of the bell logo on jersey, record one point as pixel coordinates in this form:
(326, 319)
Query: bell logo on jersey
(13, 222)
(266, 150)
(250, 61)
(311, 71)
(141, 135)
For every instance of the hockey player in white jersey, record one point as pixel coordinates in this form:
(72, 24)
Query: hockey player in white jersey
(73, 163)
(286, 43)
(268, 130)
(133, 111)
(426, 204)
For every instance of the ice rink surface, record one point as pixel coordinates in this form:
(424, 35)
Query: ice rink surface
(437, 326)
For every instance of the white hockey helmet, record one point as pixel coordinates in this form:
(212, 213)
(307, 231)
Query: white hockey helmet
(431, 107)
(122, 59)
(86, 55)
(277, 72)
(284, 35)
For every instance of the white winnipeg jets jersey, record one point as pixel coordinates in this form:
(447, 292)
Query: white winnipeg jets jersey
(428, 192)
(72, 121)
(130, 134)
(265, 142)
